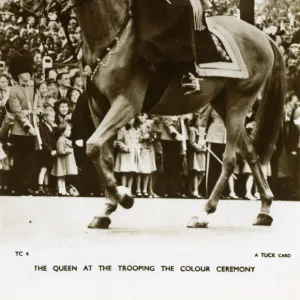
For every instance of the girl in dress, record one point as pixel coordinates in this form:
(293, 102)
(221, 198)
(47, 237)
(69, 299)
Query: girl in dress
(197, 158)
(65, 164)
(128, 154)
(147, 163)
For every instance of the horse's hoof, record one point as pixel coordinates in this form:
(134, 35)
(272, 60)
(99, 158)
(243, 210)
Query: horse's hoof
(209, 208)
(126, 198)
(100, 223)
(263, 219)
(196, 222)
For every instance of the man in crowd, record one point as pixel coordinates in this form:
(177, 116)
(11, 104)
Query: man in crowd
(64, 84)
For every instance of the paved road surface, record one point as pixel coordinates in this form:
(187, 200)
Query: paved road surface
(153, 233)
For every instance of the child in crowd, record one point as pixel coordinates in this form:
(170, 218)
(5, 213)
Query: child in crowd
(48, 151)
(128, 154)
(148, 164)
(65, 164)
(197, 158)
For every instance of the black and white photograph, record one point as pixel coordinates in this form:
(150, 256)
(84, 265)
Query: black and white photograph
(149, 149)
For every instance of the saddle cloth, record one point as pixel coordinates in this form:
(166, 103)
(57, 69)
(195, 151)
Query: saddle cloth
(235, 68)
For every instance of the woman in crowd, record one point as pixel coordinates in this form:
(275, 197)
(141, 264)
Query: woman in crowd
(147, 163)
(197, 158)
(4, 89)
(30, 23)
(65, 164)
(128, 154)
(49, 43)
(73, 97)
(62, 110)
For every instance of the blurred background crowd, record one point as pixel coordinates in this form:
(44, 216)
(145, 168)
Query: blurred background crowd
(155, 156)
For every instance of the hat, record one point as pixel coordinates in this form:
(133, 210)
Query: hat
(50, 81)
(295, 45)
(20, 62)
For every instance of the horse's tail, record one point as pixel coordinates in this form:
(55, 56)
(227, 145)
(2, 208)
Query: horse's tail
(269, 118)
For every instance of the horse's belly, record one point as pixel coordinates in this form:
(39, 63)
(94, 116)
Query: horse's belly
(173, 101)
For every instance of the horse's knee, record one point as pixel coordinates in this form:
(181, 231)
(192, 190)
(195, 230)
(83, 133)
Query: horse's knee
(92, 149)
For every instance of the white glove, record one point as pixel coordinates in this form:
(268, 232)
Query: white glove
(79, 143)
(179, 137)
(32, 131)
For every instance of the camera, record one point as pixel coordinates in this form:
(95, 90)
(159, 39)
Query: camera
(47, 62)
(2, 65)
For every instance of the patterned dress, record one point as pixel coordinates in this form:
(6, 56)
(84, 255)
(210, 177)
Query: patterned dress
(128, 146)
(148, 164)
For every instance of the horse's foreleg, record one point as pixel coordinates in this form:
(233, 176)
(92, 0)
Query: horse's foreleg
(100, 151)
(252, 159)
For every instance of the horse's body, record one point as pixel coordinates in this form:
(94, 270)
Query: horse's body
(124, 80)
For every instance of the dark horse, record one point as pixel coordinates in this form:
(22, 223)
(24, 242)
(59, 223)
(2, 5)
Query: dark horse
(122, 77)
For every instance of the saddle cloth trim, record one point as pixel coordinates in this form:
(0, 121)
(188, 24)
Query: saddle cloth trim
(234, 69)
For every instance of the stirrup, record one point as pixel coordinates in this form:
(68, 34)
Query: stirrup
(191, 83)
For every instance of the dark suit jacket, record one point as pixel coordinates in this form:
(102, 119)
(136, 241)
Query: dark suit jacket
(82, 123)
(48, 138)
(58, 95)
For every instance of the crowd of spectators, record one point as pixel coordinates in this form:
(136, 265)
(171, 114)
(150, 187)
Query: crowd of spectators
(60, 89)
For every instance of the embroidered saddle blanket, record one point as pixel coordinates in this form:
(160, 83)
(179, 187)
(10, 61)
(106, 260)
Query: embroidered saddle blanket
(233, 65)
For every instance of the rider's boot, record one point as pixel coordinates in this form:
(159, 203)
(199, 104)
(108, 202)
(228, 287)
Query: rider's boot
(209, 52)
(190, 81)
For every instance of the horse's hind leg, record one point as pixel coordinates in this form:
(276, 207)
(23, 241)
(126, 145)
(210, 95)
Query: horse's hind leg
(252, 159)
(100, 151)
(233, 112)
